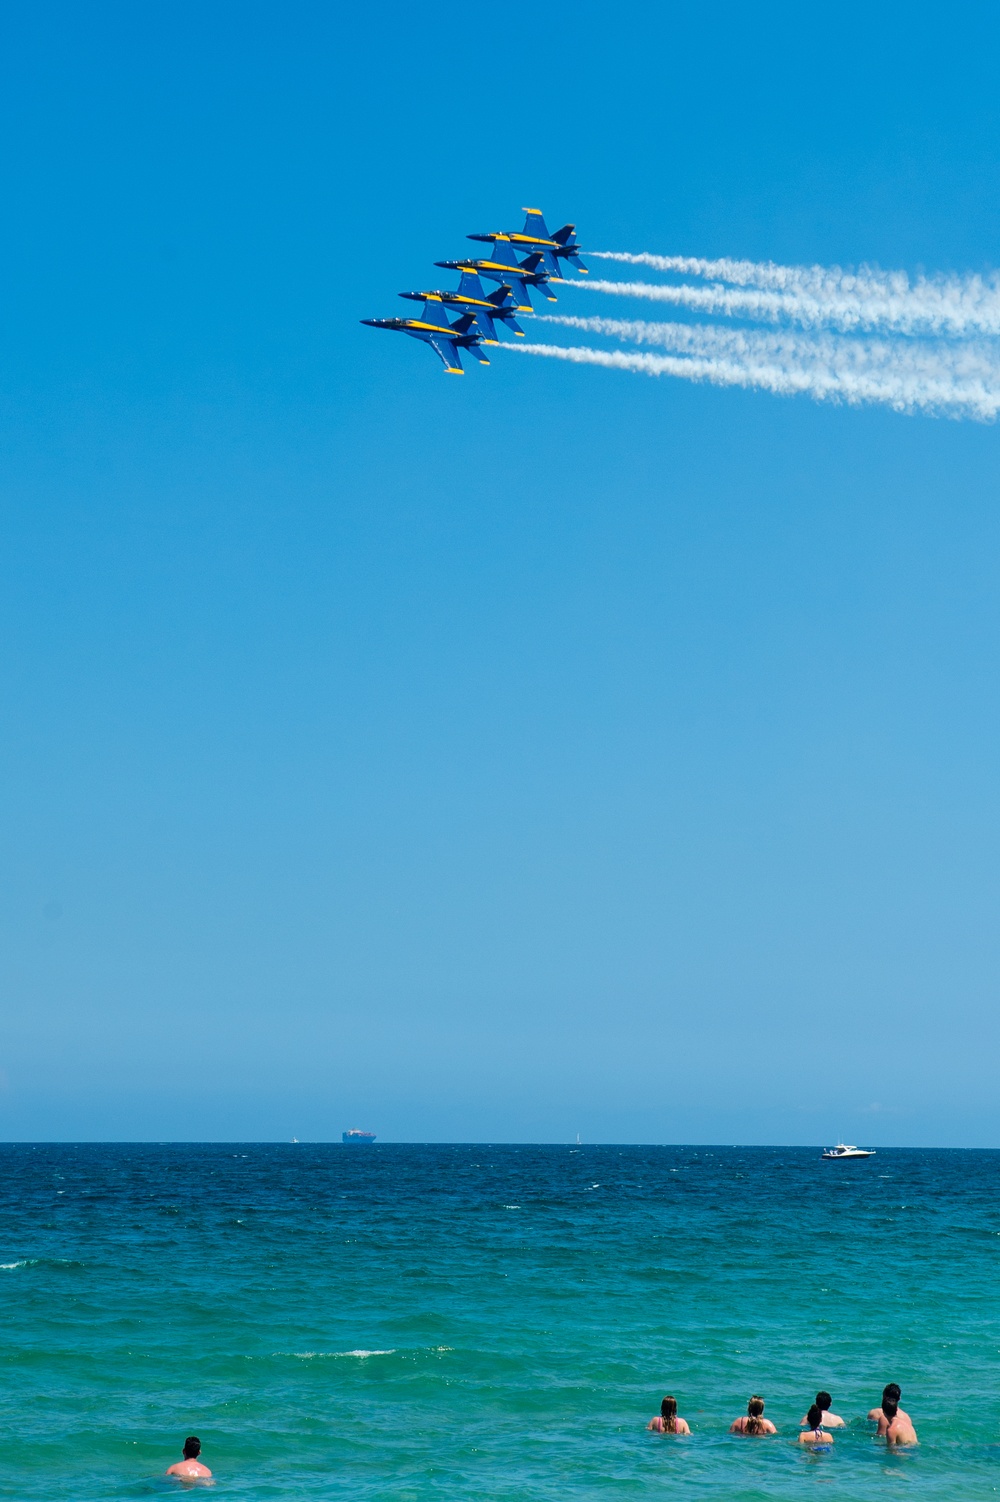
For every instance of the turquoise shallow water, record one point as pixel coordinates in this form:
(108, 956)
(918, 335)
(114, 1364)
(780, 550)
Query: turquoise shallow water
(411, 1322)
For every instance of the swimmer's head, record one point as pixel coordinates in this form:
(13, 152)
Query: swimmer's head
(668, 1408)
(890, 1409)
(755, 1423)
(192, 1447)
(823, 1400)
(892, 1391)
(815, 1416)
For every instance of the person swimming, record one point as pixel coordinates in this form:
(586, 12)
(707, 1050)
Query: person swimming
(831, 1420)
(815, 1434)
(190, 1468)
(667, 1421)
(899, 1430)
(753, 1421)
(891, 1393)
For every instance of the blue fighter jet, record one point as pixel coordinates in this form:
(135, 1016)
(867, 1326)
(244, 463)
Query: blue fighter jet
(446, 339)
(487, 310)
(504, 267)
(555, 248)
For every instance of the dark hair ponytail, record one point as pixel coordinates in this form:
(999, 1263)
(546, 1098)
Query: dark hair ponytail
(668, 1413)
(814, 1418)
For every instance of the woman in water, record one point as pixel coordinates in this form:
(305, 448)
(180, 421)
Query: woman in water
(666, 1421)
(815, 1434)
(753, 1421)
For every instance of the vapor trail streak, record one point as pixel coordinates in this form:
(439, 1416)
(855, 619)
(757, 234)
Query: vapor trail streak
(904, 391)
(963, 364)
(828, 295)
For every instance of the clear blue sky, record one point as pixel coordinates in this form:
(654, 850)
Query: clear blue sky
(545, 751)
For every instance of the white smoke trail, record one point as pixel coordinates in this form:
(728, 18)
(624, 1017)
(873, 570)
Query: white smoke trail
(767, 307)
(952, 393)
(933, 360)
(867, 298)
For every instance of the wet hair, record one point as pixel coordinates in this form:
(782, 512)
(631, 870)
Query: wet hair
(668, 1413)
(892, 1391)
(755, 1410)
(192, 1447)
(814, 1417)
(823, 1400)
(890, 1409)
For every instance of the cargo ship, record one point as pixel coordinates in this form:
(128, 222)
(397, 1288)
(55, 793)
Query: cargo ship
(357, 1137)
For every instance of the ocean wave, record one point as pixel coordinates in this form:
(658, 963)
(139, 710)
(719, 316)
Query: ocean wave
(24, 1262)
(332, 1355)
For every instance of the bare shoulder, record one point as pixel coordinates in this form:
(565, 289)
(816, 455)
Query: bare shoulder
(770, 1428)
(683, 1427)
(875, 1413)
(834, 1421)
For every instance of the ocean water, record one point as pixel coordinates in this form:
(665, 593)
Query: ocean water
(463, 1322)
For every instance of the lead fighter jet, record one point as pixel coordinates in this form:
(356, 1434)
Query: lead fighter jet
(471, 297)
(446, 339)
(554, 248)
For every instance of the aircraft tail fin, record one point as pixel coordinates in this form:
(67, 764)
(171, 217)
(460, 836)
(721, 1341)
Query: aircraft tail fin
(565, 236)
(534, 224)
(536, 265)
(505, 305)
(485, 326)
(519, 291)
(469, 285)
(434, 312)
(467, 334)
(503, 253)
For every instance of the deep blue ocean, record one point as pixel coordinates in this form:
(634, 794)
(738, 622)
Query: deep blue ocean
(414, 1322)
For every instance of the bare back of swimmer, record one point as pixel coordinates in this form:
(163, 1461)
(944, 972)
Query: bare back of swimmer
(753, 1421)
(190, 1468)
(667, 1420)
(899, 1430)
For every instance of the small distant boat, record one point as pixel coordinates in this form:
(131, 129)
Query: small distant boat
(357, 1138)
(842, 1150)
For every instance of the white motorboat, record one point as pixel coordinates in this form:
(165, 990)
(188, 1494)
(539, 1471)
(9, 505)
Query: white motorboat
(842, 1150)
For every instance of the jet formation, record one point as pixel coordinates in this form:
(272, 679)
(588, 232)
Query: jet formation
(482, 314)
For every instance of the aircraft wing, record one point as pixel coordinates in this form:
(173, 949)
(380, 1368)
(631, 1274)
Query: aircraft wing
(448, 351)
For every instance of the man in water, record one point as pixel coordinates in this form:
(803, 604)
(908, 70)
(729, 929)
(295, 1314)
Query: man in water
(190, 1468)
(830, 1420)
(899, 1430)
(890, 1394)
